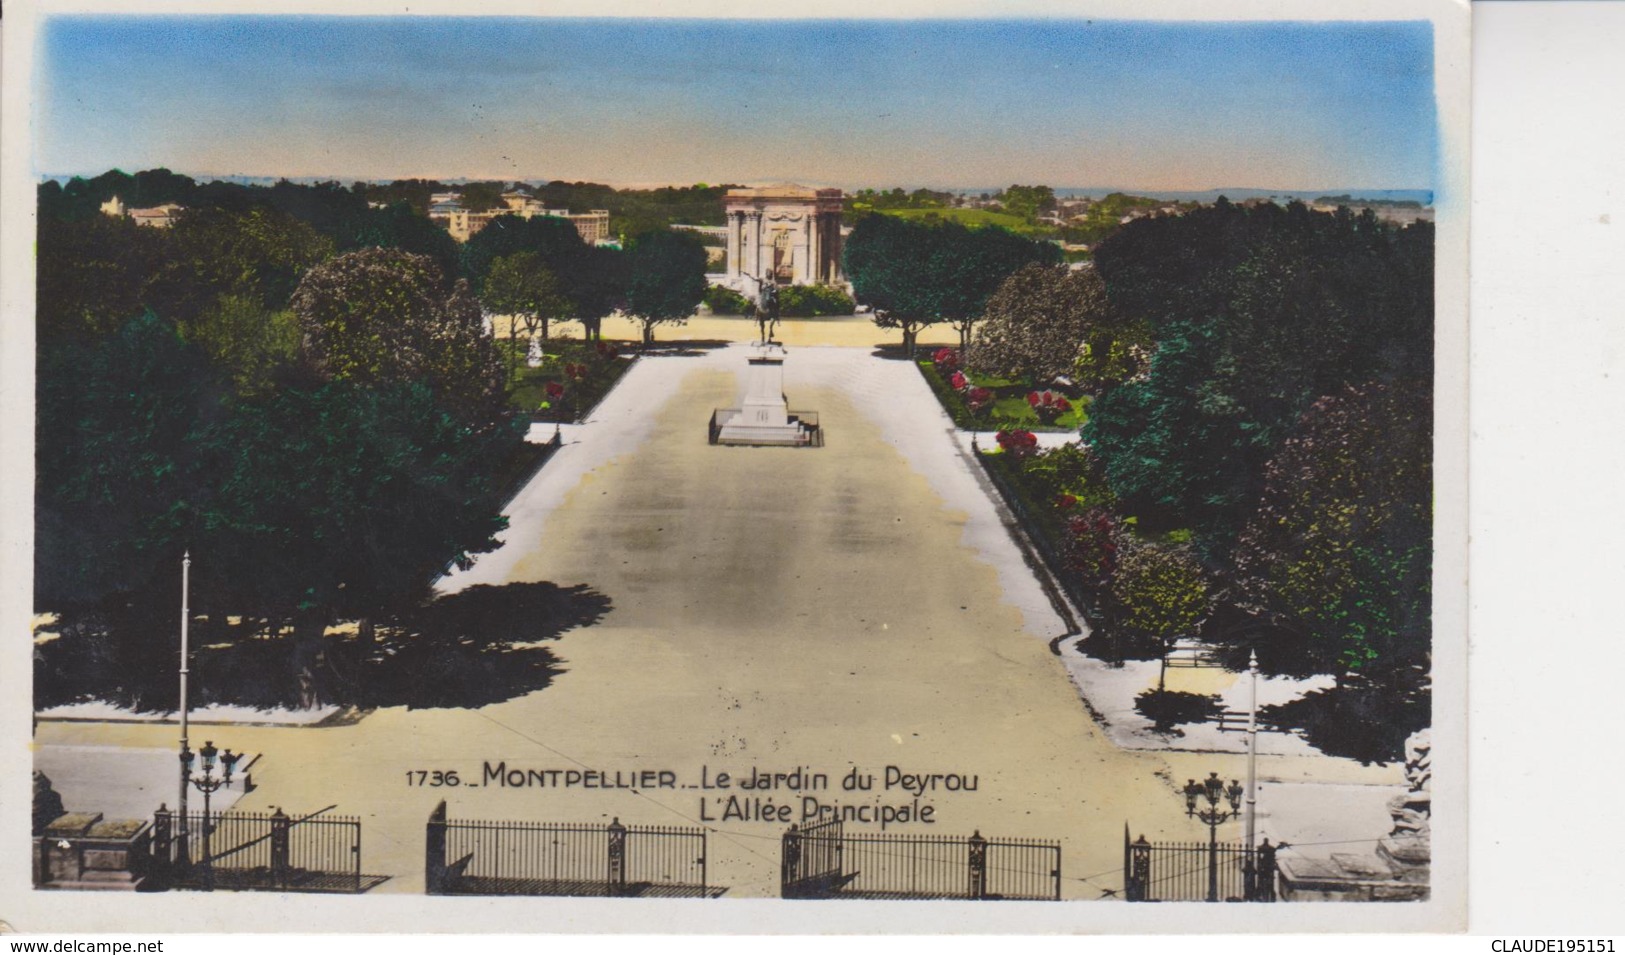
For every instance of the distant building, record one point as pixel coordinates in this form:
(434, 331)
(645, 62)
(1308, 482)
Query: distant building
(158, 217)
(447, 210)
(1398, 215)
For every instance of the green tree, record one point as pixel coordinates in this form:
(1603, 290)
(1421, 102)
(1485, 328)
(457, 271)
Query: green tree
(115, 470)
(597, 284)
(1028, 202)
(381, 316)
(94, 275)
(522, 285)
(1339, 552)
(344, 501)
(245, 340)
(966, 266)
(916, 274)
(666, 279)
(1159, 591)
(1255, 314)
(1048, 321)
(555, 240)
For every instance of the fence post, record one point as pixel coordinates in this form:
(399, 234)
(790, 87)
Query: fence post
(355, 852)
(162, 827)
(434, 852)
(790, 860)
(279, 848)
(978, 866)
(617, 857)
(1137, 880)
(1265, 887)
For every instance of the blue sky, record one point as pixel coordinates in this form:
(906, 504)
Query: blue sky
(839, 102)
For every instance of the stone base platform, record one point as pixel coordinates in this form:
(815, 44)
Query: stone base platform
(728, 428)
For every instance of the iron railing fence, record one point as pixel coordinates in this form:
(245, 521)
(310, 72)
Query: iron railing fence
(1197, 871)
(260, 851)
(491, 857)
(823, 861)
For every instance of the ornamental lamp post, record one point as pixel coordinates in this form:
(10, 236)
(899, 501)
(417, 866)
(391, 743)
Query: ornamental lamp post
(1249, 842)
(1211, 791)
(207, 782)
(182, 848)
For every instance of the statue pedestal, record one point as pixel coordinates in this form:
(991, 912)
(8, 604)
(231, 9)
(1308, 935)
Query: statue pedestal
(763, 417)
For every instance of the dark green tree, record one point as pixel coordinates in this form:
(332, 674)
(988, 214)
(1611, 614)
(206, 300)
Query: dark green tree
(115, 468)
(1255, 313)
(342, 501)
(916, 274)
(967, 266)
(666, 279)
(94, 275)
(555, 240)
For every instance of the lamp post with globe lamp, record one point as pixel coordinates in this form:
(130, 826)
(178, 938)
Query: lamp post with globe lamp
(206, 783)
(1212, 791)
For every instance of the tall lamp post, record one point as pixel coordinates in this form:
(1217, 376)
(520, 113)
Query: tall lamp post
(182, 848)
(1212, 790)
(1249, 842)
(207, 782)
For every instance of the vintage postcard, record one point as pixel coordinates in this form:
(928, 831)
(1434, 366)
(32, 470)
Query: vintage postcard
(720, 468)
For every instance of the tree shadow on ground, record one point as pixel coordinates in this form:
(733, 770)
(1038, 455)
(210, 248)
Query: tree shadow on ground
(465, 650)
(1116, 649)
(689, 348)
(899, 353)
(1167, 708)
(1361, 723)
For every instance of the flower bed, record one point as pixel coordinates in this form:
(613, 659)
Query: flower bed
(978, 402)
(572, 378)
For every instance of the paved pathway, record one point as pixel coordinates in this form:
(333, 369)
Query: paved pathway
(857, 606)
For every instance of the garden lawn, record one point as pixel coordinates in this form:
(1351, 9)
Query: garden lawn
(974, 218)
(1009, 408)
(527, 388)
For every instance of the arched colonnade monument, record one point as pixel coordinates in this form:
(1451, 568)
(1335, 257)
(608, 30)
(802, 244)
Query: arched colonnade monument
(788, 233)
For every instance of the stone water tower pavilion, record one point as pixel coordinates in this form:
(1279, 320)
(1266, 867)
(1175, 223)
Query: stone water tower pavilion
(789, 233)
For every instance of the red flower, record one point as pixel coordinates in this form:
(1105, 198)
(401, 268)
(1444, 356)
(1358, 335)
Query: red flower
(945, 359)
(978, 398)
(1064, 501)
(1033, 398)
(1017, 442)
(958, 381)
(575, 370)
(554, 390)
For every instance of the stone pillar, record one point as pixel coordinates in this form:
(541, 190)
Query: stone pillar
(803, 269)
(815, 249)
(735, 223)
(753, 236)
